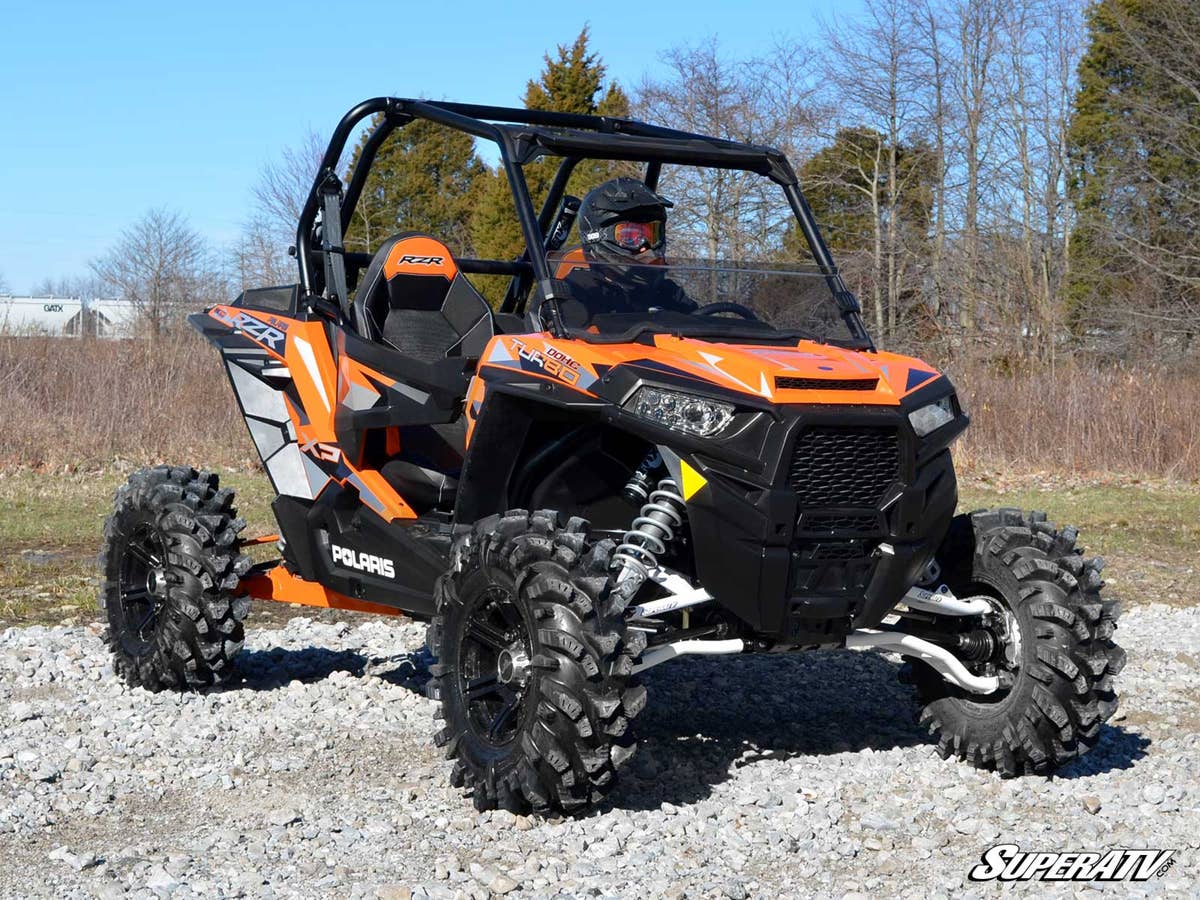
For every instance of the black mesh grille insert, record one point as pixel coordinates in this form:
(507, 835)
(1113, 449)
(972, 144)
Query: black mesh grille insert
(844, 467)
(848, 524)
(788, 383)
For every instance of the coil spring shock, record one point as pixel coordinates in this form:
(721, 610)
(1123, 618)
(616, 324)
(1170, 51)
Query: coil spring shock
(648, 537)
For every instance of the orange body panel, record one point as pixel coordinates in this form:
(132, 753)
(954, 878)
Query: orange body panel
(748, 369)
(280, 585)
(321, 384)
(569, 261)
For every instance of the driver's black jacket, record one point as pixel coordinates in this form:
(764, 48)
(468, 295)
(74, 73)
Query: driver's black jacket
(592, 293)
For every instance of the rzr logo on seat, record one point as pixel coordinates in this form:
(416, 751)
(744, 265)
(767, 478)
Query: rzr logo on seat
(422, 260)
(364, 562)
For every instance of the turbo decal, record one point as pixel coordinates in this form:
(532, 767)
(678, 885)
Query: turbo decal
(551, 360)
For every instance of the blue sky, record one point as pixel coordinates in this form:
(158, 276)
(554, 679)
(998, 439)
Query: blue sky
(110, 109)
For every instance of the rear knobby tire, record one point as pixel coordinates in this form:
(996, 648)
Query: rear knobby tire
(1063, 686)
(525, 585)
(172, 565)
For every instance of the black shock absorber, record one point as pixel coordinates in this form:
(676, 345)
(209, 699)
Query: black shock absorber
(637, 489)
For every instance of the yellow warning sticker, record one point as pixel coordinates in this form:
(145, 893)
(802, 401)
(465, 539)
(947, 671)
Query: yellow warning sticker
(692, 480)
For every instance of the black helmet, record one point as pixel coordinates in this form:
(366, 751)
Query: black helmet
(623, 202)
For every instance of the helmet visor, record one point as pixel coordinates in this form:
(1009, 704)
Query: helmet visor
(638, 236)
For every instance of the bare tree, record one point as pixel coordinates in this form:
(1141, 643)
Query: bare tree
(3, 284)
(1033, 87)
(721, 213)
(260, 257)
(977, 24)
(938, 115)
(76, 286)
(876, 72)
(284, 183)
(162, 266)
(1061, 43)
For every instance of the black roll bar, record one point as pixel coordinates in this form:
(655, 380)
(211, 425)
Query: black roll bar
(524, 135)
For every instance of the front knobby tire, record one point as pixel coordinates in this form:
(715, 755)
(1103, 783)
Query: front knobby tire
(172, 565)
(535, 665)
(1065, 661)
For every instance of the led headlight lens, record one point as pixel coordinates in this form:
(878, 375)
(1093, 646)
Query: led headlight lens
(930, 418)
(682, 412)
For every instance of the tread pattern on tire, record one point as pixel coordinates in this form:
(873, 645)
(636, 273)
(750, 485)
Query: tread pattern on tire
(200, 626)
(567, 756)
(1069, 692)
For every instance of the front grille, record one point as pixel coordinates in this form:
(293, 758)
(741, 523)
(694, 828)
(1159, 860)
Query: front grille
(838, 523)
(789, 383)
(840, 551)
(844, 466)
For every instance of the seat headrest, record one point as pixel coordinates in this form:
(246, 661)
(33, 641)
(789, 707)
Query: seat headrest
(568, 261)
(419, 255)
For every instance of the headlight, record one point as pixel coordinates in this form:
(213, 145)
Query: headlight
(682, 412)
(930, 418)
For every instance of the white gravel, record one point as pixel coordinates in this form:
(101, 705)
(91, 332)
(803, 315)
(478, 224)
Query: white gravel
(757, 777)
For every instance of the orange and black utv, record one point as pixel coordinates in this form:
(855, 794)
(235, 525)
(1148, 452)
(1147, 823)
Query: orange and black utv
(572, 491)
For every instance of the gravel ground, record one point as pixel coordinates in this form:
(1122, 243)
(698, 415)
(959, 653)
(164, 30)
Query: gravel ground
(757, 777)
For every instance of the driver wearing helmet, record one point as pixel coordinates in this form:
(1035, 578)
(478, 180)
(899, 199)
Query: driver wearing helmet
(622, 226)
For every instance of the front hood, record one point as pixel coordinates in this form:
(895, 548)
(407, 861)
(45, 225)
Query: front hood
(807, 373)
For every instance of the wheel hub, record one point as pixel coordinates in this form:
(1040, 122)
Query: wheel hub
(513, 666)
(994, 649)
(1007, 632)
(156, 583)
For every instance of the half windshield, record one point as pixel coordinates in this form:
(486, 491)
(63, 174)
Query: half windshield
(699, 298)
(726, 259)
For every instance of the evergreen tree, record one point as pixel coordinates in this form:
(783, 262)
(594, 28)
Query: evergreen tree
(423, 179)
(572, 81)
(1134, 141)
(845, 183)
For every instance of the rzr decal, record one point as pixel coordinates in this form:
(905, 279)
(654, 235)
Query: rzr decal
(419, 255)
(272, 336)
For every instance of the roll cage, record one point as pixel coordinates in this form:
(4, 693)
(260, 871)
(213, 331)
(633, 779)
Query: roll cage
(524, 136)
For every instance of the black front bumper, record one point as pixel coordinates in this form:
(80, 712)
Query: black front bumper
(828, 538)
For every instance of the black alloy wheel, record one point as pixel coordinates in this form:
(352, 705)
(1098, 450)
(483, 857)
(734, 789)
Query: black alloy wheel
(495, 666)
(142, 588)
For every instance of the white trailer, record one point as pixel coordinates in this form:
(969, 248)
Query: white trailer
(57, 316)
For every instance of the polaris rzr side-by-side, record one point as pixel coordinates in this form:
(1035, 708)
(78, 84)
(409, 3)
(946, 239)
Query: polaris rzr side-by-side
(640, 453)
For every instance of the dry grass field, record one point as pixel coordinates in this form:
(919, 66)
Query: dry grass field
(51, 525)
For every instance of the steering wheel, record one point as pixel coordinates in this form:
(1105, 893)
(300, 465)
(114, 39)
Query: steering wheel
(725, 306)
